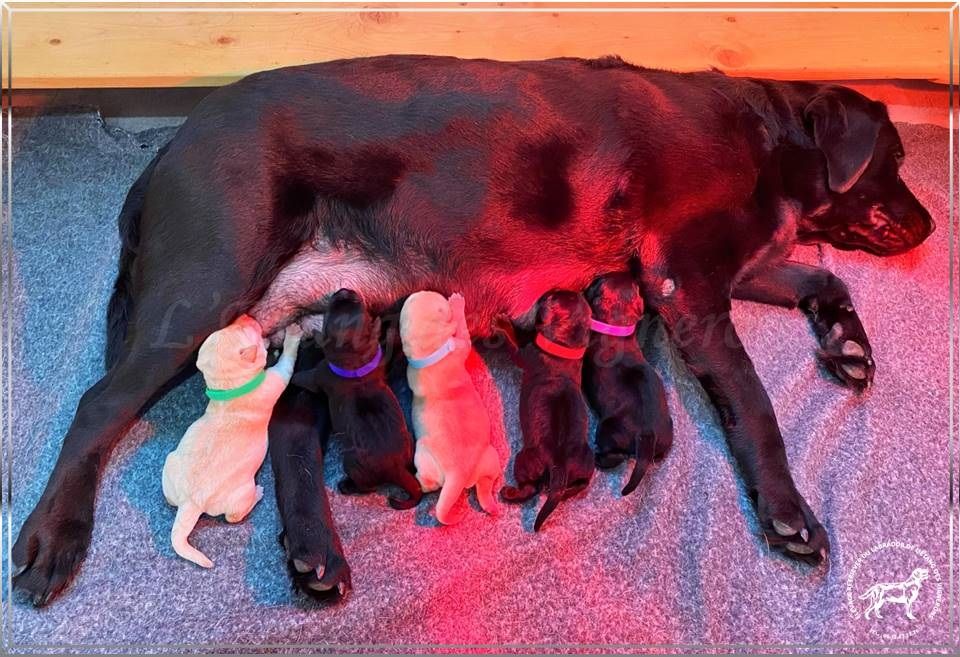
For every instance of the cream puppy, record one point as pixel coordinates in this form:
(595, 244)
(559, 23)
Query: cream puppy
(212, 470)
(453, 450)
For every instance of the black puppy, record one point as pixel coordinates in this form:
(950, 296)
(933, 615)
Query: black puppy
(299, 429)
(366, 416)
(624, 390)
(553, 413)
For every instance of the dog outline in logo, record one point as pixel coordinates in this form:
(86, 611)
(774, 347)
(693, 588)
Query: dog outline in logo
(904, 593)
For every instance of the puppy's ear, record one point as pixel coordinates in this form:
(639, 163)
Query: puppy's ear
(249, 354)
(305, 379)
(593, 291)
(845, 134)
(376, 327)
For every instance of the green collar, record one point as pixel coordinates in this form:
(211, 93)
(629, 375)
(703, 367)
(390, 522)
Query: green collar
(240, 391)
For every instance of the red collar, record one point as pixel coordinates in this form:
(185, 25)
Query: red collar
(558, 350)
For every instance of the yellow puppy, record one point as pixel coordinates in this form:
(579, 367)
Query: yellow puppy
(212, 470)
(453, 450)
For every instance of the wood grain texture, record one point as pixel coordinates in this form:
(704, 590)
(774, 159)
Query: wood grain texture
(176, 46)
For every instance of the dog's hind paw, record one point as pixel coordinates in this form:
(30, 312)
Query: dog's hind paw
(321, 573)
(790, 527)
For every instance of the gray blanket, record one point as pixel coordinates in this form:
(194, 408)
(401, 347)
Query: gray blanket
(679, 563)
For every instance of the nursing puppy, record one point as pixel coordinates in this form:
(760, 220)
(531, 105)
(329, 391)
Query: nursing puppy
(364, 412)
(553, 413)
(450, 422)
(212, 469)
(624, 390)
(299, 432)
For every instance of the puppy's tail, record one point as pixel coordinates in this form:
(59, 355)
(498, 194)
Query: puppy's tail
(645, 445)
(555, 489)
(183, 524)
(121, 301)
(410, 484)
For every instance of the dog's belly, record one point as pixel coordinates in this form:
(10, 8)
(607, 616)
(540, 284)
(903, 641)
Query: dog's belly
(319, 269)
(316, 272)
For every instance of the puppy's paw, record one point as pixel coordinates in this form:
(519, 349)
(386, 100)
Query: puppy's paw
(293, 331)
(607, 460)
(517, 494)
(457, 303)
(317, 566)
(790, 527)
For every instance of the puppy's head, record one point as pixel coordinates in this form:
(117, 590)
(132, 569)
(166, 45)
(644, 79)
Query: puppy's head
(350, 333)
(426, 322)
(615, 299)
(853, 196)
(564, 317)
(232, 355)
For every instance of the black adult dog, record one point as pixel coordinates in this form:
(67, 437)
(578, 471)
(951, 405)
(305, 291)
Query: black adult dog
(553, 412)
(365, 414)
(501, 179)
(626, 393)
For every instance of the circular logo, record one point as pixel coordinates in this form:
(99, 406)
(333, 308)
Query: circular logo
(895, 587)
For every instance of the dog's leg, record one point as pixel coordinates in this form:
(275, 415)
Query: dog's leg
(490, 473)
(450, 494)
(298, 431)
(844, 348)
(164, 332)
(698, 318)
(241, 506)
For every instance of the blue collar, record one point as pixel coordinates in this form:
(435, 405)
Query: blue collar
(442, 352)
(362, 371)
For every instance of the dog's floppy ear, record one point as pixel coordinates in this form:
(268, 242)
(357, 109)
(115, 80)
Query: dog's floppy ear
(845, 134)
(249, 354)
(376, 328)
(306, 379)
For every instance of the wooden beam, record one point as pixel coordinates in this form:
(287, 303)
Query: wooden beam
(171, 44)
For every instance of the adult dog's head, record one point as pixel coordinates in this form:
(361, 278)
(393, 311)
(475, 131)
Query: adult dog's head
(851, 188)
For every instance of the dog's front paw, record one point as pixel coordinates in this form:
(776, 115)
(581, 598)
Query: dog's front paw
(790, 527)
(457, 303)
(293, 331)
(50, 548)
(844, 348)
(316, 565)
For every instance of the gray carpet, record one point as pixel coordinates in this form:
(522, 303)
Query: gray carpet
(679, 562)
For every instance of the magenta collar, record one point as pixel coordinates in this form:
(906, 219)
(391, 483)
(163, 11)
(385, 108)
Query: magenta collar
(612, 329)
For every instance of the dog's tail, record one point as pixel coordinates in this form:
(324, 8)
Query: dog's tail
(121, 302)
(645, 446)
(410, 484)
(871, 592)
(183, 524)
(556, 485)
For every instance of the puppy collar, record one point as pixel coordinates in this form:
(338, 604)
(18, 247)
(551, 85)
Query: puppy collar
(558, 350)
(360, 371)
(442, 352)
(615, 330)
(232, 393)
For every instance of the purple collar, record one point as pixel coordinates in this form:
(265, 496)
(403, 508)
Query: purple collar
(362, 371)
(612, 329)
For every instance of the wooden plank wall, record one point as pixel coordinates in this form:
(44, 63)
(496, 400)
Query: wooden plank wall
(124, 47)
